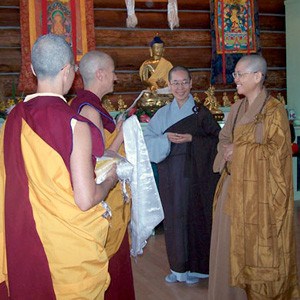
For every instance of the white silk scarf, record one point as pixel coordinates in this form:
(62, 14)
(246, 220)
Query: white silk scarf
(147, 211)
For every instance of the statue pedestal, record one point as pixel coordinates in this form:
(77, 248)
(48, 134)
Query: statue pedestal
(150, 102)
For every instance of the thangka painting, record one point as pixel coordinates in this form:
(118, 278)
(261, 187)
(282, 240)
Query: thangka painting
(235, 32)
(71, 19)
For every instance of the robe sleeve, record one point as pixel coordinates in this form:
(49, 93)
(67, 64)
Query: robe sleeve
(204, 143)
(156, 140)
(225, 138)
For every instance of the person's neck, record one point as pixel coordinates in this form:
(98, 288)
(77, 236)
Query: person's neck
(95, 91)
(181, 102)
(49, 87)
(253, 95)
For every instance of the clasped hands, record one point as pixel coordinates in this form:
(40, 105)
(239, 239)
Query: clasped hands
(179, 138)
(227, 152)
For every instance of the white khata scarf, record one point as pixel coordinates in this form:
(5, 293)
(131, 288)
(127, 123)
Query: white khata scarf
(173, 19)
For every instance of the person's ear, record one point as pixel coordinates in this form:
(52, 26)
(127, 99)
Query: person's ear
(99, 74)
(258, 76)
(32, 70)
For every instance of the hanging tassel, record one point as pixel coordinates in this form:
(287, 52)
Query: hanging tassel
(131, 20)
(173, 14)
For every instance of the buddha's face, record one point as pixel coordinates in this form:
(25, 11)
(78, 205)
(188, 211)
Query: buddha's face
(157, 50)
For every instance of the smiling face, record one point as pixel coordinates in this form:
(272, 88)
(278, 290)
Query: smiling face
(180, 85)
(246, 80)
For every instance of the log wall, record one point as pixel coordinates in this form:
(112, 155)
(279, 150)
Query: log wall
(189, 45)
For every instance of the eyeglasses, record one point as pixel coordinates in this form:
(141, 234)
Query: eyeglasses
(241, 75)
(178, 83)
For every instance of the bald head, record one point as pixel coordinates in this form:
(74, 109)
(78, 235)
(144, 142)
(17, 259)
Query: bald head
(255, 63)
(91, 62)
(50, 53)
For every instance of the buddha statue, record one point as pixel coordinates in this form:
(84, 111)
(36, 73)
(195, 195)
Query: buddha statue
(226, 101)
(121, 104)
(212, 104)
(154, 71)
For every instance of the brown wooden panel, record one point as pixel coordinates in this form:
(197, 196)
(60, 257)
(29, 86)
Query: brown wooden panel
(10, 60)
(113, 18)
(191, 20)
(123, 38)
(272, 39)
(10, 38)
(10, 2)
(274, 6)
(6, 85)
(182, 4)
(9, 16)
(275, 57)
(192, 38)
(131, 59)
(275, 23)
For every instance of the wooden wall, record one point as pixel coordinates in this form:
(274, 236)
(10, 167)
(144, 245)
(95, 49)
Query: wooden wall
(189, 45)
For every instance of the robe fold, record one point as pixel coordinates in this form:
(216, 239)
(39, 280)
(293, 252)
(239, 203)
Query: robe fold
(52, 249)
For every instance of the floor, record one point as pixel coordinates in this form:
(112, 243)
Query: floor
(150, 269)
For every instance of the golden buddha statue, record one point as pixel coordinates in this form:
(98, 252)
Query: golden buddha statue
(212, 103)
(154, 71)
(226, 101)
(121, 104)
(196, 98)
(107, 104)
(236, 97)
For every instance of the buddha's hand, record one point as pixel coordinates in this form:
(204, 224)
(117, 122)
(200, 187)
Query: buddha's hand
(161, 83)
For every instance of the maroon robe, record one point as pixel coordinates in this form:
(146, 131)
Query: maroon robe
(28, 269)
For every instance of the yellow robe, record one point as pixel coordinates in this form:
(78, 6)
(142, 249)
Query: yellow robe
(120, 210)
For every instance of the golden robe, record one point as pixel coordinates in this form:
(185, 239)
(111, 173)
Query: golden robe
(260, 200)
(161, 71)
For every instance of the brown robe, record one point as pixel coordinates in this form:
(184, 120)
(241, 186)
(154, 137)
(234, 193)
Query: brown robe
(257, 199)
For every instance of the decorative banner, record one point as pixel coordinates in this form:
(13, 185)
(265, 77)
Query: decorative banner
(235, 32)
(72, 19)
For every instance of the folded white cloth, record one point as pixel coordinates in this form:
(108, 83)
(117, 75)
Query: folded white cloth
(147, 211)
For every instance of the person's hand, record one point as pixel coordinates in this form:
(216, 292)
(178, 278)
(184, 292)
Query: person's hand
(228, 150)
(112, 177)
(119, 125)
(179, 138)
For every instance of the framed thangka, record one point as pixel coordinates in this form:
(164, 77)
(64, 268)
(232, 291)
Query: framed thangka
(71, 19)
(235, 32)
